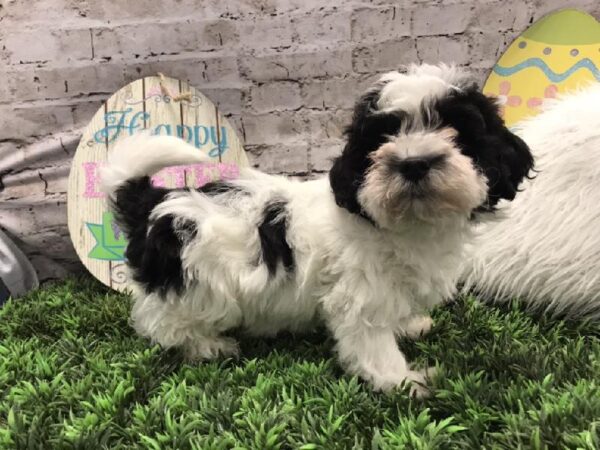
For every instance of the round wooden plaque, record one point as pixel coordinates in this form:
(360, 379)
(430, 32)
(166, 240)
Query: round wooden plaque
(165, 106)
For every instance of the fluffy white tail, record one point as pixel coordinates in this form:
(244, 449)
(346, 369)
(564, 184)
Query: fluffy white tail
(144, 154)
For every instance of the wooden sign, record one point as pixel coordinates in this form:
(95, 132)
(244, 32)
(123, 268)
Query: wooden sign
(165, 106)
(557, 54)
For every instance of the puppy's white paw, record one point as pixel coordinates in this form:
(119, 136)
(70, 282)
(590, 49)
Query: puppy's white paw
(416, 378)
(417, 326)
(419, 380)
(210, 348)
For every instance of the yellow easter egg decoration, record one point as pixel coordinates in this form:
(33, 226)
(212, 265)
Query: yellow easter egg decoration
(558, 53)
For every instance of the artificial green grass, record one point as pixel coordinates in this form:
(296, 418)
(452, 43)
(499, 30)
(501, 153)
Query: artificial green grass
(74, 375)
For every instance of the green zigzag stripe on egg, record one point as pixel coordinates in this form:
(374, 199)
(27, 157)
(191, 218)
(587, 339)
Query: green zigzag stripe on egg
(555, 77)
(565, 27)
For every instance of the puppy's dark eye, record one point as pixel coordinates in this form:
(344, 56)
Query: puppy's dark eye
(464, 118)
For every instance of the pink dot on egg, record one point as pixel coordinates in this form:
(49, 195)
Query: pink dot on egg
(534, 102)
(513, 100)
(551, 91)
(505, 87)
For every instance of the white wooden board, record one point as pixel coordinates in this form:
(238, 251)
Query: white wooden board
(143, 104)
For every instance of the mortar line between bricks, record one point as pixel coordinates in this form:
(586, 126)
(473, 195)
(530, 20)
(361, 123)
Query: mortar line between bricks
(92, 42)
(61, 101)
(11, 173)
(16, 203)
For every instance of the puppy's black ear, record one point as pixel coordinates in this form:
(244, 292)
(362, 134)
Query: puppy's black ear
(482, 135)
(521, 160)
(510, 156)
(508, 162)
(368, 130)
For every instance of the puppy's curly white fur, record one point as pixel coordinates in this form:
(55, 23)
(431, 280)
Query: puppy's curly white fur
(364, 250)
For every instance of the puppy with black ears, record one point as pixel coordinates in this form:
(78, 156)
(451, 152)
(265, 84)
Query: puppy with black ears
(366, 250)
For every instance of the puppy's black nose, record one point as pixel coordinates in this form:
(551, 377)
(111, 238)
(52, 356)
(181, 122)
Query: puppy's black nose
(415, 169)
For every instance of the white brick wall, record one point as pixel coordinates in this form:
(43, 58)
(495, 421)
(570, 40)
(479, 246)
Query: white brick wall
(286, 72)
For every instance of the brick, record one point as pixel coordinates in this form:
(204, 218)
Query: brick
(275, 96)
(501, 16)
(479, 74)
(29, 215)
(143, 39)
(199, 70)
(32, 83)
(150, 9)
(435, 49)
(51, 212)
(229, 101)
(30, 153)
(212, 69)
(303, 63)
(384, 56)
(281, 127)
(44, 45)
(235, 120)
(404, 3)
(38, 182)
(21, 122)
(540, 8)
(22, 185)
(315, 28)
(286, 158)
(12, 156)
(328, 125)
(321, 154)
(380, 24)
(442, 19)
(486, 48)
(334, 93)
(268, 32)
(17, 13)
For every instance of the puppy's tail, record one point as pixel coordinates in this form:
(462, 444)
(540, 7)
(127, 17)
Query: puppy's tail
(143, 155)
(126, 177)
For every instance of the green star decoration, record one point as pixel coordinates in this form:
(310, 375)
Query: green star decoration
(110, 241)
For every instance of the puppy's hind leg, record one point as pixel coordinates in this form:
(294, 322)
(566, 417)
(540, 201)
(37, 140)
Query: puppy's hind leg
(372, 353)
(180, 323)
(204, 347)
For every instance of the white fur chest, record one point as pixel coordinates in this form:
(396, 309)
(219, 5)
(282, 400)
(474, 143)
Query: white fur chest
(385, 276)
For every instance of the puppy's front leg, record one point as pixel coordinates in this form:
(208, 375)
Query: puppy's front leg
(416, 326)
(372, 353)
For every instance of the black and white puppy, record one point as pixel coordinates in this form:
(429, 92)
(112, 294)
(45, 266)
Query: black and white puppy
(366, 250)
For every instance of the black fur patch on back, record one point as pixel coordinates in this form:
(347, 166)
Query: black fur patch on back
(155, 256)
(134, 201)
(273, 242)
